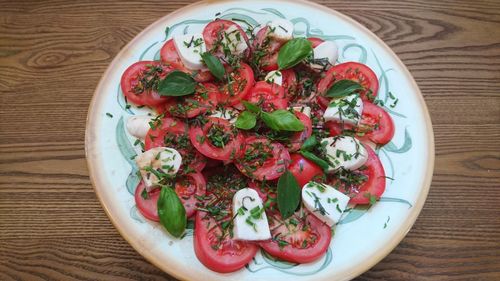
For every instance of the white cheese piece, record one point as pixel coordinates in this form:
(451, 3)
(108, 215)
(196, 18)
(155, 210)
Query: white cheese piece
(275, 77)
(138, 126)
(163, 160)
(227, 114)
(324, 201)
(346, 152)
(281, 29)
(234, 40)
(190, 47)
(325, 55)
(345, 110)
(304, 109)
(250, 220)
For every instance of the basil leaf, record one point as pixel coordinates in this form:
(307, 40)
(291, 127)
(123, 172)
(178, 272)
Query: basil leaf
(282, 120)
(288, 196)
(252, 107)
(171, 212)
(176, 84)
(310, 143)
(246, 120)
(320, 162)
(343, 88)
(214, 65)
(293, 52)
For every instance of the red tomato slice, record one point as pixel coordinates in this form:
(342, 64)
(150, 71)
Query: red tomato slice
(147, 206)
(315, 41)
(265, 190)
(187, 188)
(226, 255)
(351, 71)
(217, 139)
(300, 239)
(265, 50)
(262, 159)
(289, 83)
(242, 81)
(376, 123)
(213, 32)
(303, 169)
(169, 55)
(205, 98)
(173, 133)
(298, 138)
(139, 82)
(269, 96)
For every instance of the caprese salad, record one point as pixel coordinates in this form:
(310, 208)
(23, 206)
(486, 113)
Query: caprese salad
(260, 137)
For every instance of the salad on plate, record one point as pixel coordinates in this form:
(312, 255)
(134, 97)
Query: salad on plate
(261, 138)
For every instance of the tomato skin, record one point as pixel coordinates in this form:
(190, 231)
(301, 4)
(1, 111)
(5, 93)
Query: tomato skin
(147, 207)
(263, 42)
(290, 83)
(177, 130)
(213, 29)
(130, 79)
(298, 138)
(233, 255)
(199, 139)
(243, 81)
(351, 71)
(294, 252)
(303, 169)
(170, 56)
(270, 96)
(206, 98)
(196, 186)
(315, 41)
(384, 131)
(269, 169)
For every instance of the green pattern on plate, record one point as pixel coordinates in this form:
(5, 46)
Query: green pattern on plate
(128, 152)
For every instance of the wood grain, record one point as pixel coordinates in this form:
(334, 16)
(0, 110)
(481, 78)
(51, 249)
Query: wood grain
(53, 52)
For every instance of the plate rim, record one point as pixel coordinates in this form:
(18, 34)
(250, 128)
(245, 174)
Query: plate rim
(97, 179)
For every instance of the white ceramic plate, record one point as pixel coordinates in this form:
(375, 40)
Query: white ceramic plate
(363, 237)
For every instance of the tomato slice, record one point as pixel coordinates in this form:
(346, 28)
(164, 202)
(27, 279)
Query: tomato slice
(140, 80)
(216, 139)
(376, 123)
(265, 50)
(213, 32)
(302, 238)
(241, 80)
(298, 138)
(269, 96)
(205, 98)
(188, 187)
(368, 181)
(354, 71)
(173, 133)
(289, 83)
(170, 56)
(262, 159)
(315, 41)
(303, 169)
(147, 205)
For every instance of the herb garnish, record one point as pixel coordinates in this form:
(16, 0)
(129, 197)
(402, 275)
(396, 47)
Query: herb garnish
(171, 212)
(288, 195)
(343, 88)
(214, 65)
(176, 84)
(278, 120)
(293, 52)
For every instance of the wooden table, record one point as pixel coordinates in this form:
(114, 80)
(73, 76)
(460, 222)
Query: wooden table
(52, 54)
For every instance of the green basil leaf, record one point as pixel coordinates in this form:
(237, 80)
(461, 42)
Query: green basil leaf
(171, 212)
(252, 107)
(320, 162)
(282, 120)
(246, 120)
(214, 65)
(288, 196)
(310, 143)
(343, 88)
(176, 84)
(293, 52)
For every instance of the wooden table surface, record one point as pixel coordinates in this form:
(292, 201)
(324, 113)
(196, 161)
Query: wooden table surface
(52, 54)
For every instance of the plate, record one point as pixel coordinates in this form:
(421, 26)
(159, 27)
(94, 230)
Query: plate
(362, 238)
